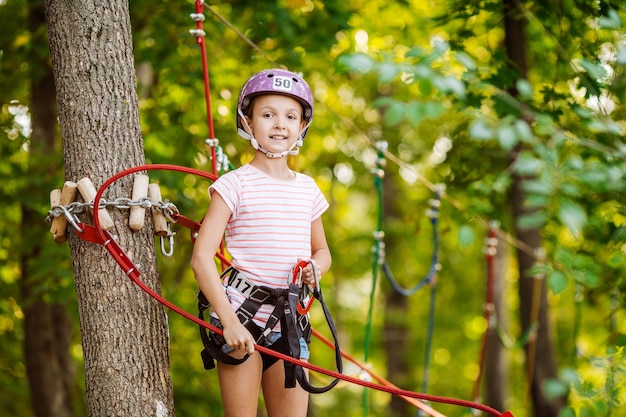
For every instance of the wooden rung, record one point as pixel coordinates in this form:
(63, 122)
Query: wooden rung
(160, 222)
(59, 224)
(88, 192)
(63, 197)
(138, 213)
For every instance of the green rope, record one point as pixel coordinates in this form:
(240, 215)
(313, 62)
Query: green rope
(378, 254)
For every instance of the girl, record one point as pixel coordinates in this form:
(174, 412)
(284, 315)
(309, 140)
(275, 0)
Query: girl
(270, 217)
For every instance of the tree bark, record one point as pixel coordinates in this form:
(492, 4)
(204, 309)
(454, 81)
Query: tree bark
(124, 331)
(540, 357)
(47, 325)
(396, 309)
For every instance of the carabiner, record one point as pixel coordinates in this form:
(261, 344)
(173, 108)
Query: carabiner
(296, 272)
(305, 302)
(169, 235)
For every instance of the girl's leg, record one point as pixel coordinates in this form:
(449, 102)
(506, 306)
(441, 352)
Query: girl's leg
(239, 385)
(281, 401)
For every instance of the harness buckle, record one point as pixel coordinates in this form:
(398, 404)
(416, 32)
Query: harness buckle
(244, 315)
(259, 295)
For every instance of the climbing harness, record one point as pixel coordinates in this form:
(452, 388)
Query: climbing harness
(291, 307)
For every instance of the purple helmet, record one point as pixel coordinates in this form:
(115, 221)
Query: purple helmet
(275, 81)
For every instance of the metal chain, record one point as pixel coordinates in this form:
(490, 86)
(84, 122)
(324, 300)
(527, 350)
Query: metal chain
(168, 208)
(72, 210)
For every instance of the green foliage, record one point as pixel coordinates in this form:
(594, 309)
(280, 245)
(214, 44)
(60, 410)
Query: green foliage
(433, 83)
(594, 389)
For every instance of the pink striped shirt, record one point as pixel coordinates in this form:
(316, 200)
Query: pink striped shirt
(270, 226)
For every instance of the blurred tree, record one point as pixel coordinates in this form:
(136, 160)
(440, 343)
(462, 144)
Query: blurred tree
(47, 323)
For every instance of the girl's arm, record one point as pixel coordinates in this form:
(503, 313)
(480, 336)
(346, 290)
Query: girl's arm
(321, 258)
(205, 271)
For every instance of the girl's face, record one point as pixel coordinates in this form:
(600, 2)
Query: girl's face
(276, 122)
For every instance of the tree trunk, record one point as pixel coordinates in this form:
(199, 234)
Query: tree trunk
(396, 310)
(540, 358)
(47, 325)
(395, 342)
(124, 331)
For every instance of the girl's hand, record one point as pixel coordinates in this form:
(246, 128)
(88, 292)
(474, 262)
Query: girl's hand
(310, 273)
(239, 338)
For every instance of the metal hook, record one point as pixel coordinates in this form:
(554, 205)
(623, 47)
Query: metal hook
(169, 235)
(73, 220)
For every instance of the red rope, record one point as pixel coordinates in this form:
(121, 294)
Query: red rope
(413, 401)
(104, 238)
(207, 85)
(490, 253)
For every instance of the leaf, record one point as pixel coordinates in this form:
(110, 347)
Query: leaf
(415, 51)
(423, 71)
(536, 201)
(531, 220)
(425, 86)
(524, 88)
(610, 21)
(554, 388)
(523, 131)
(395, 113)
(572, 215)
(450, 85)
(387, 71)
(440, 47)
(620, 56)
(594, 69)
(358, 62)
(433, 109)
(479, 130)
(557, 281)
(382, 101)
(538, 187)
(505, 104)
(415, 112)
(506, 137)
(465, 60)
(567, 412)
(527, 164)
(466, 235)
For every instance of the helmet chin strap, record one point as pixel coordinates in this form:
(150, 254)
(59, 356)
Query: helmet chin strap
(295, 148)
